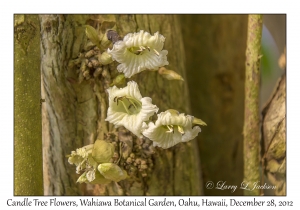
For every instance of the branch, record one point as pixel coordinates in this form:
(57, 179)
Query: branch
(28, 164)
(251, 118)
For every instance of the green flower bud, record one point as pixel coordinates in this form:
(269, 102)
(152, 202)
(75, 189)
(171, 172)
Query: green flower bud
(102, 151)
(119, 80)
(112, 171)
(169, 74)
(198, 121)
(173, 112)
(105, 58)
(100, 179)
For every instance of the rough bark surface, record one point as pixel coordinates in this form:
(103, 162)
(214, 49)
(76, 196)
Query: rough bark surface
(28, 174)
(74, 112)
(274, 138)
(215, 56)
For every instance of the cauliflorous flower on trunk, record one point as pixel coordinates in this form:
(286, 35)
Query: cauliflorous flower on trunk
(138, 52)
(81, 157)
(127, 107)
(170, 129)
(88, 158)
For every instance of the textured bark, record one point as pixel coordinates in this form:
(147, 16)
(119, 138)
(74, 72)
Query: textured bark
(274, 138)
(74, 112)
(252, 115)
(28, 174)
(215, 56)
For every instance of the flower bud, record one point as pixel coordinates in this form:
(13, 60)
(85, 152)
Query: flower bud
(169, 74)
(102, 151)
(119, 80)
(112, 171)
(105, 58)
(198, 121)
(99, 179)
(173, 112)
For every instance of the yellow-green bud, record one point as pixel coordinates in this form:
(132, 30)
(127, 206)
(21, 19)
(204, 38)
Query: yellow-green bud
(105, 58)
(169, 74)
(119, 80)
(173, 112)
(112, 171)
(198, 121)
(99, 179)
(102, 151)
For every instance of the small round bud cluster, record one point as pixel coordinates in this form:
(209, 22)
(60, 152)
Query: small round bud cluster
(139, 161)
(93, 64)
(90, 65)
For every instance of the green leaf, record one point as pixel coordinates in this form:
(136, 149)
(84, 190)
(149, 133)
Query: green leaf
(92, 34)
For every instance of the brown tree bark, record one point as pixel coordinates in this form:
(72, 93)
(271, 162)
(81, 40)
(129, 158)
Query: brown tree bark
(274, 138)
(215, 53)
(74, 112)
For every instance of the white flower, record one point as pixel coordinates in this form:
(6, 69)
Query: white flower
(138, 52)
(170, 129)
(127, 107)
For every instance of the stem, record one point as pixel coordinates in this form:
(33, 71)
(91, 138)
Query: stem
(28, 157)
(251, 118)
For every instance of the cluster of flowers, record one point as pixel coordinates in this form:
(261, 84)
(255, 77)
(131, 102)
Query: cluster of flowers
(136, 52)
(129, 109)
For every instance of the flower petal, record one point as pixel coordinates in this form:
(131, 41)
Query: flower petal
(152, 57)
(165, 132)
(117, 114)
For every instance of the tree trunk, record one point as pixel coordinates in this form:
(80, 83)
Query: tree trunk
(274, 138)
(74, 109)
(28, 173)
(215, 54)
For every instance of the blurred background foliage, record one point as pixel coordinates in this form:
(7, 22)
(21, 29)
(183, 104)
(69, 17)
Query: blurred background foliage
(215, 47)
